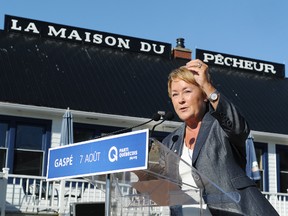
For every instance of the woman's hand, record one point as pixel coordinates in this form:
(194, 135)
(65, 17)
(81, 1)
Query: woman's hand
(201, 76)
(200, 71)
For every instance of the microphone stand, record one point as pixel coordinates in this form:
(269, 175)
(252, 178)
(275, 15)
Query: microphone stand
(167, 116)
(156, 117)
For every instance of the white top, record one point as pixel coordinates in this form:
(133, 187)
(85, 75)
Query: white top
(185, 168)
(186, 175)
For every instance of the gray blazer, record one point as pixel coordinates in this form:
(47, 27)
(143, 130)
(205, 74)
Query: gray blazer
(219, 154)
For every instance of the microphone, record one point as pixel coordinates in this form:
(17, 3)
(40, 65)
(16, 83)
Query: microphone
(165, 116)
(155, 117)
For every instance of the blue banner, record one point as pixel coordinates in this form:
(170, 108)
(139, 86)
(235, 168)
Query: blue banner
(118, 153)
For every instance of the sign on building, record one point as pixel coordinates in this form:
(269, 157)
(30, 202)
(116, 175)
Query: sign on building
(237, 62)
(86, 36)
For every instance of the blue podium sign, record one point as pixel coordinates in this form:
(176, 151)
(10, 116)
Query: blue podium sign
(118, 153)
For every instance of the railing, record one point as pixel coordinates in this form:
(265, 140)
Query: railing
(33, 194)
(279, 201)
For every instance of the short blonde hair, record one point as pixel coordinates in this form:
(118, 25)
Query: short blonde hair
(184, 74)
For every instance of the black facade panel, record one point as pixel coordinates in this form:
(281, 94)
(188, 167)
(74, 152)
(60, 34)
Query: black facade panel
(58, 74)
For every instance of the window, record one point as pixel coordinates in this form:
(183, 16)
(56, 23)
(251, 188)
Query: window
(29, 136)
(261, 154)
(84, 132)
(3, 153)
(23, 143)
(28, 162)
(282, 163)
(28, 149)
(3, 144)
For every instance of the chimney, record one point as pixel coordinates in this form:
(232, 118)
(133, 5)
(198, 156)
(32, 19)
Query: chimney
(180, 51)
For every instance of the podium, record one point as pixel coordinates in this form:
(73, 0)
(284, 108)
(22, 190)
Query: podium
(154, 190)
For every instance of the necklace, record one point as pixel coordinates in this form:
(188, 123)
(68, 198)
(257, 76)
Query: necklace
(190, 143)
(191, 135)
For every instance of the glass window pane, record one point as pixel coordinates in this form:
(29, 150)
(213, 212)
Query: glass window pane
(260, 158)
(83, 134)
(283, 182)
(3, 134)
(260, 182)
(29, 137)
(283, 159)
(2, 158)
(259, 153)
(28, 162)
(86, 132)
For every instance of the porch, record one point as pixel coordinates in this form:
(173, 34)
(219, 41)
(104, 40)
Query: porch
(30, 195)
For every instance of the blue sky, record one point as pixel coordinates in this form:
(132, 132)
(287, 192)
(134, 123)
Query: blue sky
(251, 28)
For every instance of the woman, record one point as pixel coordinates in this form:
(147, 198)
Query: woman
(214, 134)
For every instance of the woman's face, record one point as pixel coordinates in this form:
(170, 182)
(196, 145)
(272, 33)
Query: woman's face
(188, 100)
